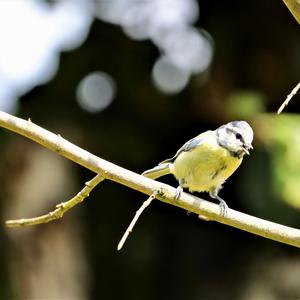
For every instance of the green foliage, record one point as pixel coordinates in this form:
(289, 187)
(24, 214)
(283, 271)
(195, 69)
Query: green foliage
(245, 103)
(275, 167)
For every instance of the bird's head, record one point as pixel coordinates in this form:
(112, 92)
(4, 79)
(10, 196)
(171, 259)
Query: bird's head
(236, 137)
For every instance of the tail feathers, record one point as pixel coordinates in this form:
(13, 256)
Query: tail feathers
(158, 171)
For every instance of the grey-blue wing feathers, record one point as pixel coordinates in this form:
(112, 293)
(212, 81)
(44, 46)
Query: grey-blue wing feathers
(189, 145)
(163, 168)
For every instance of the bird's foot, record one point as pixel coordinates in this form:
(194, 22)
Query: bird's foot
(223, 207)
(178, 192)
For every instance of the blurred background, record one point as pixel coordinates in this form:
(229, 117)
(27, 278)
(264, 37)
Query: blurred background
(131, 81)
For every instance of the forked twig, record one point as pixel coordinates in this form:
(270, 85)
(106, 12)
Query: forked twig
(61, 208)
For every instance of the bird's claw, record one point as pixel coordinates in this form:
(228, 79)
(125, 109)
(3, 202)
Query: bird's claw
(178, 192)
(223, 208)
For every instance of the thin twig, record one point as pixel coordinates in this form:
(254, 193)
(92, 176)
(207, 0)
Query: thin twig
(270, 230)
(288, 98)
(61, 208)
(134, 220)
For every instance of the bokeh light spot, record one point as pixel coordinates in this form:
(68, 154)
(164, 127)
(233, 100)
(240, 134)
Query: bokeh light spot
(96, 91)
(168, 77)
(32, 35)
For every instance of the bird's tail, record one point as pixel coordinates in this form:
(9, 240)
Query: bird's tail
(158, 171)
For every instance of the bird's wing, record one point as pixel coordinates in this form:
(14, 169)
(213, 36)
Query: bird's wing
(189, 145)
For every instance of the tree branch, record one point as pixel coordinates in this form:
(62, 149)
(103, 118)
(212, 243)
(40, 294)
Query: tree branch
(288, 98)
(134, 220)
(294, 8)
(148, 186)
(60, 209)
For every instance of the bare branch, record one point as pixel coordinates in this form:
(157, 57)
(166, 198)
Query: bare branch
(134, 220)
(294, 8)
(288, 98)
(61, 208)
(148, 186)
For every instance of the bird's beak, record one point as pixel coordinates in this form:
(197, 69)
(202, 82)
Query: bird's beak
(247, 147)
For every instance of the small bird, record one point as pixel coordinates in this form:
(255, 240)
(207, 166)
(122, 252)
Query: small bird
(204, 163)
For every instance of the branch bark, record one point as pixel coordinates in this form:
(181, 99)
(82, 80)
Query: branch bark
(288, 98)
(294, 8)
(134, 220)
(60, 209)
(107, 170)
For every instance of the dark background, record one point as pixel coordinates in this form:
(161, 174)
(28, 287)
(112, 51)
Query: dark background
(170, 255)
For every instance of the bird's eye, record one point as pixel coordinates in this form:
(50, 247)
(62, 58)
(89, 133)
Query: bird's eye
(238, 136)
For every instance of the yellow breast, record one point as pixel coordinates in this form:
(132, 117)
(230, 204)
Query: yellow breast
(205, 167)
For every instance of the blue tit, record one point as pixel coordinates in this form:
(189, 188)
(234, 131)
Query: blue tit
(204, 163)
